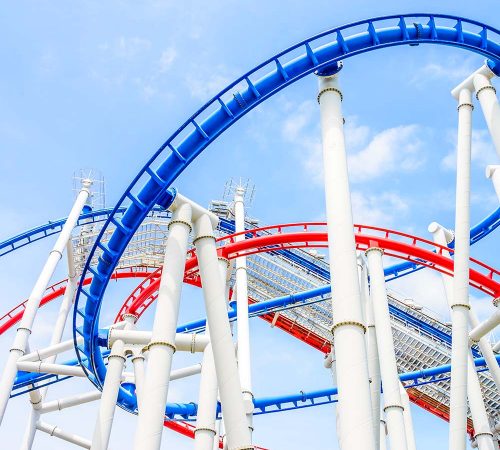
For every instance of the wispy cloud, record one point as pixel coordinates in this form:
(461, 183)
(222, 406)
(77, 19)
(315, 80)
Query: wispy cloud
(452, 69)
(126, 47)
(204, 82)
(166, 60)
(381, 209)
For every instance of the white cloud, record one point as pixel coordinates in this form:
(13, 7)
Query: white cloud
(482, 150)
(377, 209)
(452, 69)
(166, 59)
(203, 83)
(398, 148)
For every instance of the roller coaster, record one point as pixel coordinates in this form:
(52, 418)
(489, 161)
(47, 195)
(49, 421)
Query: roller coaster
(373, 340)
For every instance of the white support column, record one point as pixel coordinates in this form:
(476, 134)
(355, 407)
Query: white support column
(393, 406)
(348, 328)
(207, 403)
(162, 346)
(482, 431)
(112, 383)
(243, 325)
(443, 237)
(69, 402)
(139, 375)
(493, 172)
(410, 434)
(37, 395)
(24, 329)
(486, 94)
(483, 328)
(55, 431)
(372, 348)
(238, 434)
(460, 302)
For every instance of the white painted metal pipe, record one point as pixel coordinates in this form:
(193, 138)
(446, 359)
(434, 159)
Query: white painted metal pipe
(443, 237)
(486, 94)
(186, 342)
(54, 430)
(371, 346)
(482, 431)
(207, 404)
(18, 348)
(112, 383)
(493, 172)
(488, 325)
(139, 375)
(162, 347)
(410, 433)
(383, 435)
(243, 323)
(68, 402)
(46, 352)
(235, 420)
(348, 328)
(58, 369)
(460, 302)
(185, 372)
(393, 406)
(496, 347)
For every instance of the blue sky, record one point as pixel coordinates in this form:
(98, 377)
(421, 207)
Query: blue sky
(103, 84)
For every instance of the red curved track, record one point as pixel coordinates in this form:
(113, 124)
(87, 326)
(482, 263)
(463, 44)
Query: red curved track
(287, 236)
(400, 245)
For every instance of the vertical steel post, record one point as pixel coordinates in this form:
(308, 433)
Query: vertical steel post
(162, 346)
(486, 94)
(393, 406)
(348, 328)
(236, 425)
(243, 325)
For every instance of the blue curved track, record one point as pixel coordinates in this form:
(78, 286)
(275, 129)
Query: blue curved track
(150, 186)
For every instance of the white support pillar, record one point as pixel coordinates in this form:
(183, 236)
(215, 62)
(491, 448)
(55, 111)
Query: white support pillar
(443, 237)
(139, 375)
(372, 348)
(410, 434)
(112, 383)
(478, 411)
(243, 325)
(205, 431)
(486, 94)
(483, 328)
(24, 329)
(37, 395)
(482, 431)
(162, 346)
(348, 328)
(460, 302)
(493, 172)
(393, 406)
(238, 434)
(55, 431)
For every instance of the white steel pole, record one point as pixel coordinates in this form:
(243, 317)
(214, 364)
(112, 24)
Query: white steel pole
(486, 94)
(162, 346)
(37, 395)
(493, 172)
(393, 406)
(55, 431)
(372, 348)
(482, 431)
(205, 431)
(138, 363)
(243, 325)
(235, 420)
(488, 325)
(460, 302)
(443, 237)
(348, 328)
(410, 434)
(69, 402)
(112, 383)
(24, 330)
(478, 411)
